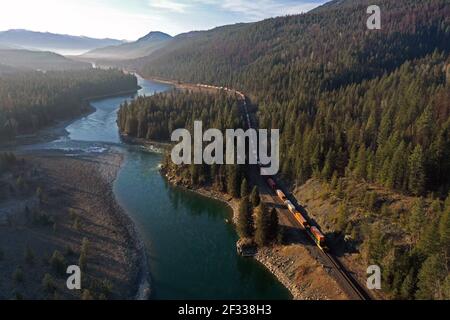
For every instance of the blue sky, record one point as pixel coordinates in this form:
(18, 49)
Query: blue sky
(131, 19)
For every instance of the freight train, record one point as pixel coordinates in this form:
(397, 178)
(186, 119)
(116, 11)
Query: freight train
(312, 231)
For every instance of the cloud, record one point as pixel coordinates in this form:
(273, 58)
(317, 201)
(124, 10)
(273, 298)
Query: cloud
(169, 5)
(260, 9)
(253, 9)
(132, 19)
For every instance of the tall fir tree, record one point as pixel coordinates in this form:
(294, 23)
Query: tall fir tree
(244, 188)
(416, 172)
(244, 219)
(255, 197)
(262, 225)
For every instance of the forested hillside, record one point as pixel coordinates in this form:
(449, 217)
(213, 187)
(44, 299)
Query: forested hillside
(140, 48)
(355, 108)
(155, 118)
(38, 60)
(31, 100)
(332, 87)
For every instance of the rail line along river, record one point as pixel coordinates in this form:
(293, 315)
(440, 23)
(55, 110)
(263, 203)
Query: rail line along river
(191, 249)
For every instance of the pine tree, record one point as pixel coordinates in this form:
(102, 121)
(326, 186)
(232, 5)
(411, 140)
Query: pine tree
(446, 291)
(58, 262)
(429, 241)
(398, 169)
(361, 163)
(244, 219)
(408, 286)
(444, 231)
(48, 283)
(254, 197)
(416, 172)
(342, 217)
(416, 219)
(244, 188)
(273, 225)
(376, 245)
(334, 180)
(262, 226)
(328, 168)
(431, 278)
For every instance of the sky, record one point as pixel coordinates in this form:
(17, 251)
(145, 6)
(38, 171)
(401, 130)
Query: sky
(132, 19)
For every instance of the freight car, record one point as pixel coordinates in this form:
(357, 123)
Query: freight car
(301, 220)
(290, 206)
(281, 195)
(318, 237)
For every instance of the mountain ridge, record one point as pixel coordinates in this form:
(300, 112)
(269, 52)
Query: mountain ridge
(47, 41)
(142, 47)
(23, 60)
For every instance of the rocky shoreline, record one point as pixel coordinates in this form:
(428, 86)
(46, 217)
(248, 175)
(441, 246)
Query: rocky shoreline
(86, 182)
(142, 272)
(114, 236)
(265, 256)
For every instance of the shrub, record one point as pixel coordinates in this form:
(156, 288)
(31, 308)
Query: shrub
(48, 283)
(58, 262)
(18, 275)
(87, 295)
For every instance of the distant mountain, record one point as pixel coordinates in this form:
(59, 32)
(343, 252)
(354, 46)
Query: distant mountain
(63, 44)
(140, 48)
(14, 60)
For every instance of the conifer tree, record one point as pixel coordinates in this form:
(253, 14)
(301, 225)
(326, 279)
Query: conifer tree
(262, 226)
(244, 219)
(274, 225)
(416, 172)
(254, 197)
(244, 188)
(431, 278)
(416, 219)
(408, 286)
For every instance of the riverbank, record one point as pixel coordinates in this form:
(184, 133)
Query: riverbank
(58, 129)
(78, 203)
(291, 264)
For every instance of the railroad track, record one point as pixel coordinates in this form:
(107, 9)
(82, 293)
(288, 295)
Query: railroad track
(350, 285)
(347, 282)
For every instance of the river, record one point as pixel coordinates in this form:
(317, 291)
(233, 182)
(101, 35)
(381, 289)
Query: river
(191, 248)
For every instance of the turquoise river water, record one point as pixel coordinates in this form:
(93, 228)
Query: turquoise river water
(191, 248)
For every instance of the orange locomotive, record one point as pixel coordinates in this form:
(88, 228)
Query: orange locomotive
(313, 231)
(318, 237)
